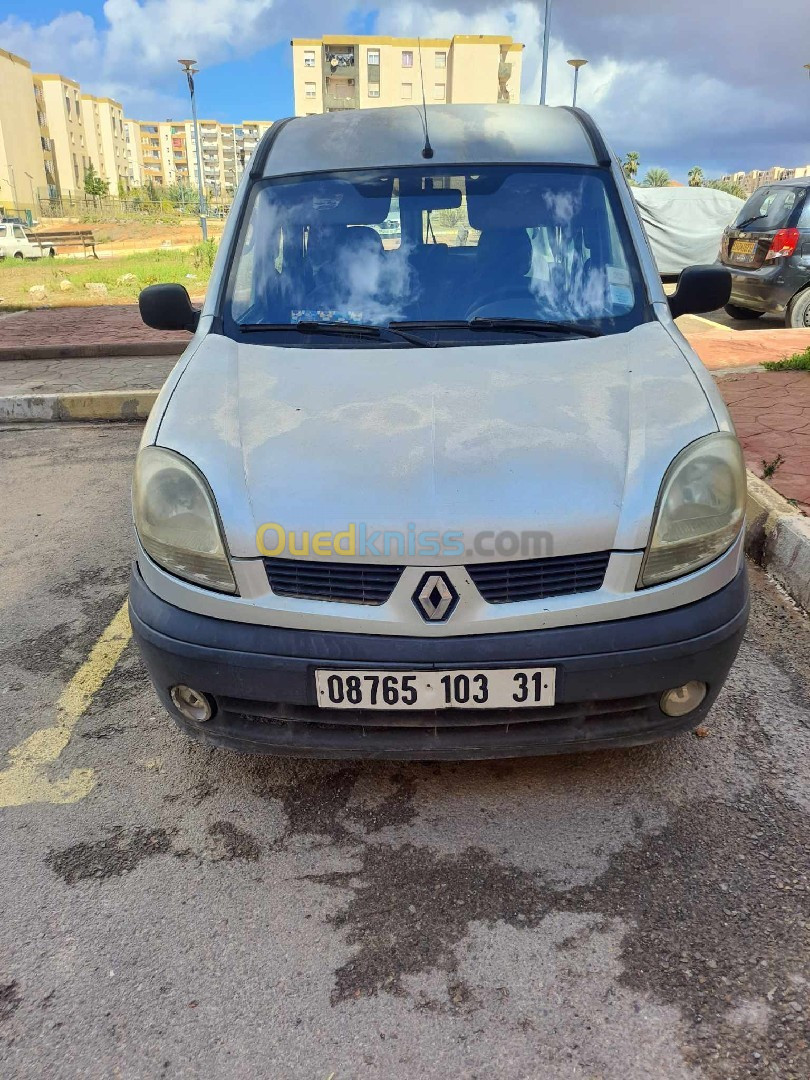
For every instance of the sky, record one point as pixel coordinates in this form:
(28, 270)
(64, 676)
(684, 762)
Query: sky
(715, 83)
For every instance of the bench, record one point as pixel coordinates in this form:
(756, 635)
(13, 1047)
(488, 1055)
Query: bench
(82, 238)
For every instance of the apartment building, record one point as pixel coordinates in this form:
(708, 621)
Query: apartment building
(23, 128)
(252, 131)
(104, 131)
(750, 181)
(51, 133)
(222, 155)
(132, 141)
(335, 73)
(174, 153)
(163, 154)
(63, 108)
(46, 143)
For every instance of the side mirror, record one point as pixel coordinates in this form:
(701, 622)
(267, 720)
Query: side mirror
(700, 288)
(168, 307)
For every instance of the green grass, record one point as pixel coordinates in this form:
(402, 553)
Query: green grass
(800, 361)
(17, 276)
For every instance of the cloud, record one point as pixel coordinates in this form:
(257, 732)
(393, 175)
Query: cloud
(690, 83)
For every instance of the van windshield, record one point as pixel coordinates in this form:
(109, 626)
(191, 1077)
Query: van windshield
(415, 247)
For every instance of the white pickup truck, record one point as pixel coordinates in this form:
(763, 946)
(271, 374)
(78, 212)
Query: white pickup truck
(16, 243)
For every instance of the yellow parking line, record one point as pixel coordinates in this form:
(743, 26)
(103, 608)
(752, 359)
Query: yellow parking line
(714, 325)
(26, 779)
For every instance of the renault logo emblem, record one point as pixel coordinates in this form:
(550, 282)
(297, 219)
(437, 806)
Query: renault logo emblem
(435, 597)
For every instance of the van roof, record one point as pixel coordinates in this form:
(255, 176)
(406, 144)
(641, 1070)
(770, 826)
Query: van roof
(459, 135)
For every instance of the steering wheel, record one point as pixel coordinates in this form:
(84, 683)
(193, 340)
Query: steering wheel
(498, 297)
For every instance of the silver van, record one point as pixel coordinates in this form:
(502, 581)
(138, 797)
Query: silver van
(437, 475)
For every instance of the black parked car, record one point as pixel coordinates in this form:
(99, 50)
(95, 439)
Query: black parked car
(767, 250)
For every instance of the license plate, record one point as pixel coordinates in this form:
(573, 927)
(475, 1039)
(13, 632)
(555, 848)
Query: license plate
(493, 688)
(744, 248)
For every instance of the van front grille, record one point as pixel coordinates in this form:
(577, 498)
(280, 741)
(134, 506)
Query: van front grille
(349, 583)
(537, 579)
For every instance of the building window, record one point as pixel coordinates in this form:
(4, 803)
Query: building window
(309, 89)
(407, 91)
(407, 58)
(309, 58)
(441, 59)
(373, 56)
(373, 89)
(438, 91)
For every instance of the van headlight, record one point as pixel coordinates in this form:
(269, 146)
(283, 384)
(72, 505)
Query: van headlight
(700, 509)
(176, 519)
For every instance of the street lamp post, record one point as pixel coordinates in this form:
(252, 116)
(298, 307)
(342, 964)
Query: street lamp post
(13, 187)
(576, 65)
(546, 36)
(33, 195)
(191, 71)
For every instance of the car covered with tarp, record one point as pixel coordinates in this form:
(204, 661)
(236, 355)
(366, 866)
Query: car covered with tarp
(685, 224)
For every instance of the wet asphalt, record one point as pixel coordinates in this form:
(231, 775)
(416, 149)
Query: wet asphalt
(625, 914)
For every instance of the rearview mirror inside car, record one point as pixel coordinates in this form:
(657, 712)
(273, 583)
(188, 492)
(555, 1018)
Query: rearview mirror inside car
(700, 288)
(168, 307)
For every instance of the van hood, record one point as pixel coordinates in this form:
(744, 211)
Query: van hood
(568, 438)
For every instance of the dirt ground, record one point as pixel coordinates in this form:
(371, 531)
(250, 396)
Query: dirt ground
(126, 236)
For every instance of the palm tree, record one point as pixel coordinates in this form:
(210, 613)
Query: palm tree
(630, 165)
(656, 178)
(695, 176)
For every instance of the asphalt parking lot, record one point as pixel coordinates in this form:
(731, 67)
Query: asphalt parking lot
(174, 911)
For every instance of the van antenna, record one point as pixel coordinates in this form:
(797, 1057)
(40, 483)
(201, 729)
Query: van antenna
(427, 150)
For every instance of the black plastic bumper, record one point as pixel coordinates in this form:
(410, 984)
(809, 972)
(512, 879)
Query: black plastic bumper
(769, 288)
(610, 676)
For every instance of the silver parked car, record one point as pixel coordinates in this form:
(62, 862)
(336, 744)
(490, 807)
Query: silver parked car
(440, 483)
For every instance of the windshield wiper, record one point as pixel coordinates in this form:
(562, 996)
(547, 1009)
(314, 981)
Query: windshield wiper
(511, 326)
(748, 221)
(357, 330)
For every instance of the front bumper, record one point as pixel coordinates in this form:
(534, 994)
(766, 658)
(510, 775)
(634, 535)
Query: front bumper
(610, 677)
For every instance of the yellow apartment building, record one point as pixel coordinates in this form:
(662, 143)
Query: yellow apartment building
(252, 131)
(63, 108)
(47, 144)
(750, 181)
(104, 131)
(132, 141)
(174, 153)
(23, 127)
(335, 73)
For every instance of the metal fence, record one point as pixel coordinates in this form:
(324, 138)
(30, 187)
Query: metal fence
(141, 202)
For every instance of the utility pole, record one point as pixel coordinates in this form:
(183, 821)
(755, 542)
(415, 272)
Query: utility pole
(546, 36)
(191, 71)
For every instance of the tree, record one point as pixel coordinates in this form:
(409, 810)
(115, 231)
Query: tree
(695, 176)
(729, 186)
(93, 184)
(630, 166)
(656, 178)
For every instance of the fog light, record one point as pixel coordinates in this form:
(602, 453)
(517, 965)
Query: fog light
(191, 703)
(683, 699)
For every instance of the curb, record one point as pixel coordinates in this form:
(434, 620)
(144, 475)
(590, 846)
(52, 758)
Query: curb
(118, 405)
(777, 538)
(136, 350)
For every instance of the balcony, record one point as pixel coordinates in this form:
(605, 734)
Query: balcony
(340, 60)
(334, 103)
